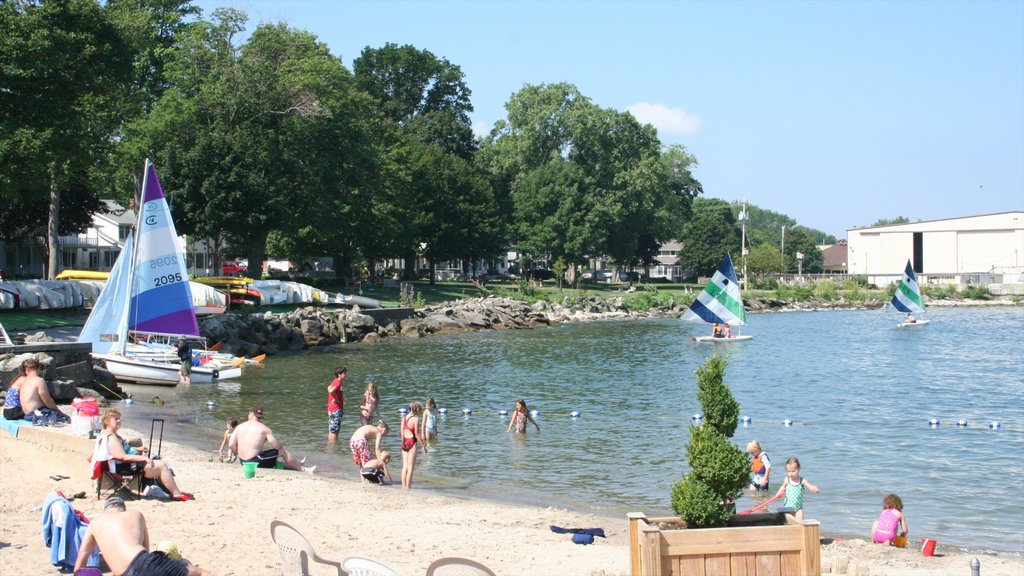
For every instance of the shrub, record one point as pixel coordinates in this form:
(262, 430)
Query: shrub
(719, 470)
(976, 292)
(826, 291)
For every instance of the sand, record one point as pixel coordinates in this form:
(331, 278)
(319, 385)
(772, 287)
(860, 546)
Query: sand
(226, 529)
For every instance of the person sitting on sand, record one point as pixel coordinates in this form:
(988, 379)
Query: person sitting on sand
(124, 459)
(360, 443)
(123, 537)
(36, 402)
(375, 470)
(249, 438)
(884, 529)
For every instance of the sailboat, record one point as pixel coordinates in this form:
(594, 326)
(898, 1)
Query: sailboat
(907, 299)
(147, 296)
(720, 303)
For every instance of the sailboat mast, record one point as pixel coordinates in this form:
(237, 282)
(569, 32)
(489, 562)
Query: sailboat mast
(743, 241)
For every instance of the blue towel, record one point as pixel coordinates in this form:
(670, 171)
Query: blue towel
(580, 535)
(12, 425)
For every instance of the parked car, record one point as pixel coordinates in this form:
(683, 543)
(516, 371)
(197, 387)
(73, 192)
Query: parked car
(234, 268)
(540, 274)
(629, 276)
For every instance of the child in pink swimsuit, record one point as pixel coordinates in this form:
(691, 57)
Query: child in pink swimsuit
(884, 529)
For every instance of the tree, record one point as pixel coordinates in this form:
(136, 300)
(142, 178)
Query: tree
(719, 470)
(891, 221)
(270, 135)
(802, 240)
(63, 66)
(584, 180)
(710, 233)
(765, 259)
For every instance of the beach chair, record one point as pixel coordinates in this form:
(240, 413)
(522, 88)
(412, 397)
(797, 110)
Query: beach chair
(359, 566)
(454, 566)
(115, 482)
(296, 552)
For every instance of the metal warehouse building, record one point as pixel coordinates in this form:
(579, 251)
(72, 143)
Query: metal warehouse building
(985, 249)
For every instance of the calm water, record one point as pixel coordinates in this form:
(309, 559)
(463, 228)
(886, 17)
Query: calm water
(860, 392)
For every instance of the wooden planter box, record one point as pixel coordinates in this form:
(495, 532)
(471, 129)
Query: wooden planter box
(790, 550)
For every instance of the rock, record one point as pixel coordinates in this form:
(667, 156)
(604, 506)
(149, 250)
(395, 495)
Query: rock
(62, 390)
(372, 338)
(39, 337)
(79, 372)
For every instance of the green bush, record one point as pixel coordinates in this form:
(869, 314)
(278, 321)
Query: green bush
(826, 291)
(719, 470)
(976, 292)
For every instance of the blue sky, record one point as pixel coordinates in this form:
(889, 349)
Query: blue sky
(834, 113)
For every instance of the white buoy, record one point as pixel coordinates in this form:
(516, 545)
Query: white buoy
(211, 404)
(466, 411)
(502, 412)
(534, 413)
(403, 411)
(443, 410)
(746, 419)
(787, 423)
(962, 423)
(933, 422)
(995, 424)
(574, 414)
(129, 401)
(697, 417)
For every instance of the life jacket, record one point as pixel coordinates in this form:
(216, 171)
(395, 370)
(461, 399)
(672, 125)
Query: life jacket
(756, 465)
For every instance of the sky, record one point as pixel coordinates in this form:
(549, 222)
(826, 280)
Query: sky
(834, 113)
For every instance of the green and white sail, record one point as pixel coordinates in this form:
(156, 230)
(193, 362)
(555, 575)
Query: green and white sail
(907, 297)
(721, 301)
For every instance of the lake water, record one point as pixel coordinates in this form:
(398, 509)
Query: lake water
(860, 393)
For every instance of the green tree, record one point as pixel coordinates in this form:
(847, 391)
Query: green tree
(802, 240)
(891, 221)
(708, 236)
(764, 259)
(63, 66)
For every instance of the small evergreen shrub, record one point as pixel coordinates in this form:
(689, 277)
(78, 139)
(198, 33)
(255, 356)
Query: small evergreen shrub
(826, 291)
(719, 470)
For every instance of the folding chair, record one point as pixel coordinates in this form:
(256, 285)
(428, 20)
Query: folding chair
(453, 566)
(116, 482)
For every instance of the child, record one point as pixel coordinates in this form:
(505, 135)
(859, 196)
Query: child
(229, 429)
(521, 415)
(410, 424)
(429, 431)
(375, 470)
(884, 529)
(793, 488)
(370, 405)
(761, 466)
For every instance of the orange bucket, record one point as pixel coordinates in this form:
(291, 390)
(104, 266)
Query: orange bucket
(928, 546)
(900, 541)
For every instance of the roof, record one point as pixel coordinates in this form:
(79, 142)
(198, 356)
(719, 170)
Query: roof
(117, 214)
(835, 256)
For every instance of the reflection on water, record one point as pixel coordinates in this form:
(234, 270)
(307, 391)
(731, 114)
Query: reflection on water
(860, 393)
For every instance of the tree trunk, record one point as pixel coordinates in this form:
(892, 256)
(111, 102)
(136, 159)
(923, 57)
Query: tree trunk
(52, 238)
(409, 273)
(256, 253)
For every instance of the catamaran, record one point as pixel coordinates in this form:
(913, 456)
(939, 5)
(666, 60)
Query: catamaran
(148, 295)
(907, 299)
(720, 303)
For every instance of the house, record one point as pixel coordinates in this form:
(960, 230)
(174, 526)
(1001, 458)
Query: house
(667, 262)
(834, 257)
(983, 249)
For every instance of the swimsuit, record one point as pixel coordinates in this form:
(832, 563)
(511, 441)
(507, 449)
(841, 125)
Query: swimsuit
(360, 451)
(265, 459)
(886, 529)
(12, 404)
(430, 422)
(794, 494)
(408, 442)
(520, 422)
(759, 466)
(155, 564)
(374, 475)
(372, 403)
(334, 421)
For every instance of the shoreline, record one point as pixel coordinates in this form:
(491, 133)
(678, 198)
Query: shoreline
(226, 529)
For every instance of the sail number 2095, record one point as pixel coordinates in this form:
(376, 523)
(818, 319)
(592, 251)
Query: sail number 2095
(168, 279)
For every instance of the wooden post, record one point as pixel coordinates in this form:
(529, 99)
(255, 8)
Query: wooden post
(634, 542)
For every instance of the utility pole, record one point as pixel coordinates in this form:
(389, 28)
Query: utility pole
(782, 249)
(743, 241)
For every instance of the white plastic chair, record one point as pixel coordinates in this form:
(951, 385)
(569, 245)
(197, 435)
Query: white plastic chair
(359, 566)
(296, 552)
(454, 566)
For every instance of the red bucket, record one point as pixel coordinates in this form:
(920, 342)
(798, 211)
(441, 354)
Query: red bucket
(86, 406)
(928, 546)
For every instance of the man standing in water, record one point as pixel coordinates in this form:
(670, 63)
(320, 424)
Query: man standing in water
(248, 440)
(335, 403)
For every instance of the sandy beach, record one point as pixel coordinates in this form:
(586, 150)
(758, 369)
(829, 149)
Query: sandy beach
(226, 529)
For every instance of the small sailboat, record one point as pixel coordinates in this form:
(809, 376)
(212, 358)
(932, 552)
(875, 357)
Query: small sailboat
(720, 303)
(907, 299)
(147, 295)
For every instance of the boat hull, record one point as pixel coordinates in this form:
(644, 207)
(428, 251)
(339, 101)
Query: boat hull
(141, 371)
(714, 340)
(917, 324)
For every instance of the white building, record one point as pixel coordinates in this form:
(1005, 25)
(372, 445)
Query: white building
(985, 249)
